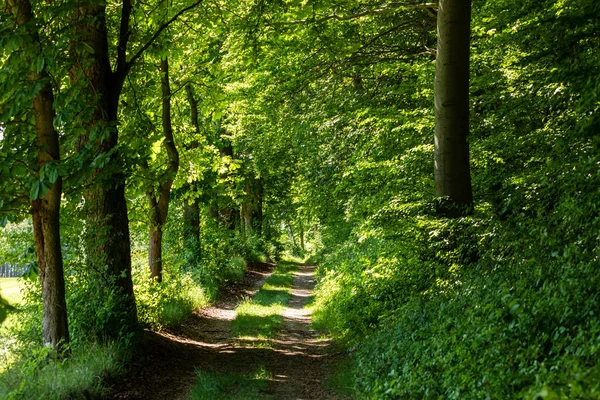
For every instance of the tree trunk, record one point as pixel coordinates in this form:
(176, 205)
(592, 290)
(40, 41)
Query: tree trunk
(191, 208)
(160, 207)
(191, 229)
(155, 252)
(258, 212)
(451, 153)
(302, 237)
(229, 215)
(46, 210)
(291, 235)
(107, 225)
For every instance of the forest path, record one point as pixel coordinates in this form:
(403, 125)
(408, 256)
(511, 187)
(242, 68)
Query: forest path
(298, 360)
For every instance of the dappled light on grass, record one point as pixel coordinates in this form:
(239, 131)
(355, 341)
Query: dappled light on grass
(231, 386)
(262, 314)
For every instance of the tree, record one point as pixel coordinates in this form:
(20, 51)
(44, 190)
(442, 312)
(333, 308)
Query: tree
(451, 149)
(45, 195)
(159, 206)
(108, 241)
(191, 206)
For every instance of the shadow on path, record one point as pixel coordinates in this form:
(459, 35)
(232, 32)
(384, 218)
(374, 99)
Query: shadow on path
(298, 360)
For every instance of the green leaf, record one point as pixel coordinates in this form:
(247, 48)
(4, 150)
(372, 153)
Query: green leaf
(35, 190)
(32, 272)
(39, 64)
(53, 175)
(18, 170)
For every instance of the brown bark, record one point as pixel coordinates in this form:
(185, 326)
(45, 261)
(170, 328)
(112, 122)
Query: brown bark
(160, 207)
(46, 210)
(451, 152)
(109, 245)
(107, 225)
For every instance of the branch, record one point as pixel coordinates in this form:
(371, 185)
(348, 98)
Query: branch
(123, 36)
(138, 54)
(426, 6)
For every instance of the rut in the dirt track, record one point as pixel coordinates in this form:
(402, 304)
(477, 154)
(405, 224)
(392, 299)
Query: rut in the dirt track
(298, 359)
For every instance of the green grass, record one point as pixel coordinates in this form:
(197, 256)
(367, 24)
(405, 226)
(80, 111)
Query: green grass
(342, 379)
(231, 386)
(260, 316)
(10, 290)
(39, 376)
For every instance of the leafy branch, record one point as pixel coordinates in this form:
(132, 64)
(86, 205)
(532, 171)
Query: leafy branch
(378, 11)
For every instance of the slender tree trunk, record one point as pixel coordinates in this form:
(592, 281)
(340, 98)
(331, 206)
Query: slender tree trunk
(107, 235)
(252, 207)
(302, 237)
(229, 213)
(191, 229)
(291, 235)
(258, 212)
(160, 207)
(191, 208)
(46, 210)
(155, 252)
(451, 153)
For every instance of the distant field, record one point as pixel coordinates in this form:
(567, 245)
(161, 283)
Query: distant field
(10, 289)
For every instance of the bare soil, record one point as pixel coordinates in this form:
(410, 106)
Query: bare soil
(298, 359)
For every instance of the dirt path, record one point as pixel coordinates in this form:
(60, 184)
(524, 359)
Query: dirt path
(297, 359)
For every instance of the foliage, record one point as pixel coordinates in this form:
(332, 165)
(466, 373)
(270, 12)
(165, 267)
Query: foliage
(326, 109)
(502, 304)
(169, 302)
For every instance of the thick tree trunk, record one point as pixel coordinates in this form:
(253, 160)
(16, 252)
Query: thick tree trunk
(46, 210)
(451, 153)
(160, 207)
(107, 234)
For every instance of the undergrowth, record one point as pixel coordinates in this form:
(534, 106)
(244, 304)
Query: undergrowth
(37, 375)
(27, 371)
(504, 303)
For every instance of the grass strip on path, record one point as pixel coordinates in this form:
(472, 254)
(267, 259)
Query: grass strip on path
(231, 387)
(260, 316)
(256, 318)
